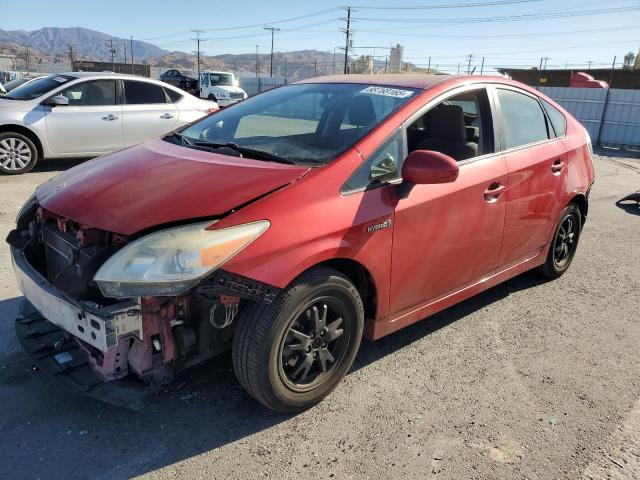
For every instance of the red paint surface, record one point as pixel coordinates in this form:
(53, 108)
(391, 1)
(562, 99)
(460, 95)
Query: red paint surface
(157, 183)
(444, 242)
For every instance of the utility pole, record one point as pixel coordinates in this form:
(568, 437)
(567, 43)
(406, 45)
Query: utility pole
(545, 62)
(112, 50)
(256, 61)
(347, 32)
(26, 58)
(285, 71)
(429, 67)
(273, 31)
(589, 65)
(458, 68)
(131, 50)
(315, 67)
(482, 66)
(469, 58)
(539, 69)
(613, 66)
(71, 55)
(198, 40)
(124, 46)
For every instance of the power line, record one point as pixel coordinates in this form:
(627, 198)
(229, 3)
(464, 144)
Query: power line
(239, 27)
(515, 35)
(448, 5)
(505, 18)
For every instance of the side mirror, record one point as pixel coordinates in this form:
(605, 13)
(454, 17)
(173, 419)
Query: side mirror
(429, 167)
(57, 100)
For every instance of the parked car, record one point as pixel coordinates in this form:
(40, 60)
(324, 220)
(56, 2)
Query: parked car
(7, 87)
(88, 114)
(182, 79)
(290, 225)
(222, 87)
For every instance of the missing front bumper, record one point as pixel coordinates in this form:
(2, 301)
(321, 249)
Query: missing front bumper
(56, 353)
(96, 326)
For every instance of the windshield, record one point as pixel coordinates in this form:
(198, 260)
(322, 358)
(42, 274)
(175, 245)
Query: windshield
(222, 79)
(15, 83)
(38, 87)
(305, 123)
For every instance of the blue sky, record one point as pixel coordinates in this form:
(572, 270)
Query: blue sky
(502, 41)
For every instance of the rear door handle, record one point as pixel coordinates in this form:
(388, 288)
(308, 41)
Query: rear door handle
(494, 190)
(557, 166)
(166, 116)
(110, 117)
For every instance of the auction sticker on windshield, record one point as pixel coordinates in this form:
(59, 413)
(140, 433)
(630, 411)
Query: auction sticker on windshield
(388, 92)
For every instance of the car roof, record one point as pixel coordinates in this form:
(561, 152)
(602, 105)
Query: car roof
(407, 80)
(101, 74)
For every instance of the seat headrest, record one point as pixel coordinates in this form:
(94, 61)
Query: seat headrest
(92, 95)
(360, 111)
(448, 123)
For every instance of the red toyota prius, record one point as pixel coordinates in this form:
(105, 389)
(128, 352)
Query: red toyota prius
(286, 227)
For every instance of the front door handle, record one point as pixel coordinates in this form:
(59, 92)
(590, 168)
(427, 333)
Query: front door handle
(557, 166)
(110, 117)
(166, 116)
(494, 190)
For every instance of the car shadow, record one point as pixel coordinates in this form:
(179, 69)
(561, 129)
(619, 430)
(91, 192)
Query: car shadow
(58, 164)
(203, 410)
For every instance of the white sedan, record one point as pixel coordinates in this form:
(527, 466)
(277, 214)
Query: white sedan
(88, 114)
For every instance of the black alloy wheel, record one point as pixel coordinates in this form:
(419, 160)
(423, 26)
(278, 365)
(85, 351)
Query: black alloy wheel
(313, 346)
(292, 353)
(564, 244)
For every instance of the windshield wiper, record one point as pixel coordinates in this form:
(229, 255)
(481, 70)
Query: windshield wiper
(254, 152)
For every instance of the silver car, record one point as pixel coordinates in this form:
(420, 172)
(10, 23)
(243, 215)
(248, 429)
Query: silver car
(88, 114)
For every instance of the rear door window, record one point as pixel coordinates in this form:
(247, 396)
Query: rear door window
(139, 93)
(523, 121)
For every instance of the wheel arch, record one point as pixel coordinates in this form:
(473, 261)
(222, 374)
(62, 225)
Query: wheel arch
(361, 278)
(22, 130)
(583, 205)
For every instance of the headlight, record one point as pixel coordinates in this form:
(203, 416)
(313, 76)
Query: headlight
(28, 205)
(221, 94)
(171, 261)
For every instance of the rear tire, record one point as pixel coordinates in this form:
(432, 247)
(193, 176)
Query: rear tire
(18, 154)
(292, 353)
(564, 243)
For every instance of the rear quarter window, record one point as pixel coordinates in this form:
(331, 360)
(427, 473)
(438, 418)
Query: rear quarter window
(557, 118)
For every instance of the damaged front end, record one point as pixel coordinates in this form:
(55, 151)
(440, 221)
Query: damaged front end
(116, 340)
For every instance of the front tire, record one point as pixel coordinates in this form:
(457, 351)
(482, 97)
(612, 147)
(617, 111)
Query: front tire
(18, 154)
(292, 353)
(564, 243)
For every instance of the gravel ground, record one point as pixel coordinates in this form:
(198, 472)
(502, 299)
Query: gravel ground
(531, 379)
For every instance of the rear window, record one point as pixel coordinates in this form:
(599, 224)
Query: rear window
(558, 120)
(137, 93)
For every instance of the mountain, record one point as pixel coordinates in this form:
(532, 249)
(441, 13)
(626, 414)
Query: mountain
(87, 44)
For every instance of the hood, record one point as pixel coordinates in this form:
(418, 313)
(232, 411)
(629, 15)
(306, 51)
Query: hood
(157, 183)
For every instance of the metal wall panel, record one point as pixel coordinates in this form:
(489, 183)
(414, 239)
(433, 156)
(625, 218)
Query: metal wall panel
(621, 127)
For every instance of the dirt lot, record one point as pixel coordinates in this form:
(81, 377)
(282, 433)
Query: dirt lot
(530, 380)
